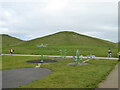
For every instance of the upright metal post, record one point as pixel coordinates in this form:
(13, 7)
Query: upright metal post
(41, 57)
(78, 56)
(65, 51)
(61, 53)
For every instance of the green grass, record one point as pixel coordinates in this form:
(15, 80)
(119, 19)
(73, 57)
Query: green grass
(64, 76)
(67, 38)
(71, 50)
(12, 62)
(9, 40)
(62, 40)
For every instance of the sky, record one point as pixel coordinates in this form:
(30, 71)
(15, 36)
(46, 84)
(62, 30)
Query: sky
(28, 19)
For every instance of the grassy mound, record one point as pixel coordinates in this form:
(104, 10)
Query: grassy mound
(10, 41)
(70, 41)
(67, 38)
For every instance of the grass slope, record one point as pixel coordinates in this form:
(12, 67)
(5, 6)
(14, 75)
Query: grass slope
(67, 38)
(10, 41)
(64, 76)
(70, 41)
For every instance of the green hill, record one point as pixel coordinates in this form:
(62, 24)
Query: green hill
(68, 38)
(69, 41)
(10, 41)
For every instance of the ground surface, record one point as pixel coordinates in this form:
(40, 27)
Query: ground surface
(17, 77)
(111, 80)
(62, 41)
(58, 56)
(63, 76)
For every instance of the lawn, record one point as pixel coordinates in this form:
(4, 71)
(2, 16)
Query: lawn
(97, 50)
(63, 76)
(70, 41)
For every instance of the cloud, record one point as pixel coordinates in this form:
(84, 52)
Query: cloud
(35, 19)
(2, 23)
(42, 1)
(56, 5)
(4, 30)
(94, 34)
(109, 28)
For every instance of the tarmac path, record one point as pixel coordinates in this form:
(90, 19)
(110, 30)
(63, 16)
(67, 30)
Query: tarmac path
(111, 80)
(58, 56)
(18, 77)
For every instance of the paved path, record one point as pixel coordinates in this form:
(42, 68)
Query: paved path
(18, 77)
(59, 56)
(111, 80)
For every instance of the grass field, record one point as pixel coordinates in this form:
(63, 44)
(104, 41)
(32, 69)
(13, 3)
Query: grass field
(63, 76)
(71, 50)
(70, 41)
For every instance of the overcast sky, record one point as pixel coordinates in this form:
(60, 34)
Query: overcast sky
(31, 19)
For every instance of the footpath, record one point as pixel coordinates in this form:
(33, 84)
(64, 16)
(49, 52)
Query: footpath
(111, 80)
(58, 56)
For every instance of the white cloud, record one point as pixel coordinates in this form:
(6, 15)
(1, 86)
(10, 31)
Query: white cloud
(50, 16)
(109, 28)
(56, 5)
(58, 0)
(4, 30)
(2, 23)
(94, 34)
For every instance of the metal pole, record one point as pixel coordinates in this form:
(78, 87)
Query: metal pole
(65, 51)
(42, 57)
(78, 56)
(61, 53)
